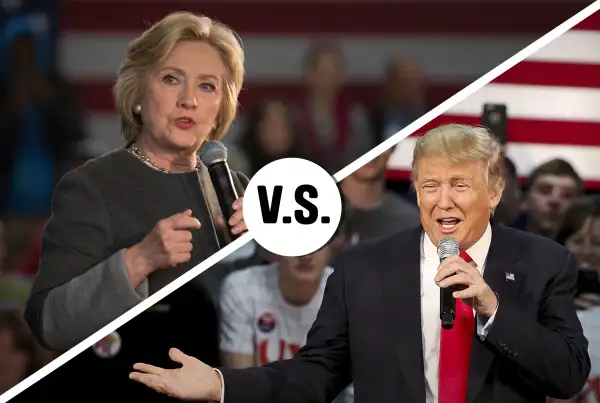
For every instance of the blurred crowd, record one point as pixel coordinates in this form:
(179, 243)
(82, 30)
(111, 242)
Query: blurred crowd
(262, 305)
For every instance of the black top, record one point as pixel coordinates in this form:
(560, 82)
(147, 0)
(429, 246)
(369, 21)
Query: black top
(111, 203)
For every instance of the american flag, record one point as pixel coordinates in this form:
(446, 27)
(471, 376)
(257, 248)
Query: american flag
(553, 102)
(456, 42)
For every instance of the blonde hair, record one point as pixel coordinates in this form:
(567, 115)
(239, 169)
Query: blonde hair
(461, 143)
(155, 44)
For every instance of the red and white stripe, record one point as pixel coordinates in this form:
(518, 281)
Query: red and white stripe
(553, 100)
(456, 42)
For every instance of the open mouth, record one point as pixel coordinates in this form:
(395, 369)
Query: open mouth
(448, 224)
(184, 122)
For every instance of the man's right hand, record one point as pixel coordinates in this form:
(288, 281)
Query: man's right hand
(169, 244)
(194, 380)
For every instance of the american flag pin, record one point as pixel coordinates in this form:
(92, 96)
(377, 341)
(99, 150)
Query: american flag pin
(509, 276)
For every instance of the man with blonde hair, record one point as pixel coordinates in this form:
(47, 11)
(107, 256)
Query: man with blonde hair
(516, 336)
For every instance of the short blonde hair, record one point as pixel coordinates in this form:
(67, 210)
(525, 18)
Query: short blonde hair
(155, 44)
(461, 143)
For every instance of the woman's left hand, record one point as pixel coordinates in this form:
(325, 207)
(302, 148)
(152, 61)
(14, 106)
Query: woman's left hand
(236, 222)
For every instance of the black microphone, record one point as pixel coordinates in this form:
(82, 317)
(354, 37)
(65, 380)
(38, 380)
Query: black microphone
(213, 155)
(447, 247)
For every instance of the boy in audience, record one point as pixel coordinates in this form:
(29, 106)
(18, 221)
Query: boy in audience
(266, 310)
(551, 189)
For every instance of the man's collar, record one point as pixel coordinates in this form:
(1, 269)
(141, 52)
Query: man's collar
(478, 251)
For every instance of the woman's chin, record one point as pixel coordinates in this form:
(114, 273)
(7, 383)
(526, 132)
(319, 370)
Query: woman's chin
(184, 141)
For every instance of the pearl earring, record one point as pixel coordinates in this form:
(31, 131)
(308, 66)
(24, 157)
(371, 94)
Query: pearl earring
(137, 109)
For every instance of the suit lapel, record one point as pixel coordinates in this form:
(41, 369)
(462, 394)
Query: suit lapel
(401, 282)
(501, 262)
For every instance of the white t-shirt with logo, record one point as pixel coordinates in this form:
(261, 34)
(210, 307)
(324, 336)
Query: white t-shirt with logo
(256, 320)
(590, 321)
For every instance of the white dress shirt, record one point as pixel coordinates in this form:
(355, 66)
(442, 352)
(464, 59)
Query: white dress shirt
(430, 307)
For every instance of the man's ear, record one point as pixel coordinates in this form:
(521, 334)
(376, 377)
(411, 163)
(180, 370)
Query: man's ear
(496, 191)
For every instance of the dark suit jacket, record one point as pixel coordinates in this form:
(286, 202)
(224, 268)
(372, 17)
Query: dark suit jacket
(368, 330)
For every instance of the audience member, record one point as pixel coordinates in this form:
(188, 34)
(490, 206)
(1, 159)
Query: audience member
(377, 211)
(271, 133)
(267, 310)
(507, 211)
(403, 99)
(20, 355)
(550, 190)
(40, 122)
(580, 233)
(335, 130)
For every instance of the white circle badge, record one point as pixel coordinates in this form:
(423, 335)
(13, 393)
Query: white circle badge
(109, 346)
(292, 207)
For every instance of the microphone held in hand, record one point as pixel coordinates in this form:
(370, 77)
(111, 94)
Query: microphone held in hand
(213, 155)
(447, 247)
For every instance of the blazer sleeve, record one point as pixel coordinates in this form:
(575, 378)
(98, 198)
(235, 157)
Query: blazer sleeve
(317, 373)
(81, 285)
(240, 182)
(551, 352)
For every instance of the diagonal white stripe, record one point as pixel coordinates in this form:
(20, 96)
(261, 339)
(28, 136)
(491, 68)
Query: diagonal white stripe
(572, 47)
(126, 317)
(469, 90)
(217, 257)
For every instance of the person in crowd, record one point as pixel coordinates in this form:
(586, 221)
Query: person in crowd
(508, 210)
(20, 355)
(515, 338)
(266, 310)
(376, 211)
(40, 121)
(335, 130)
(404, 98)
(580, 233)
(127, 223)
(590, 321)
(271, 133)
(549, 192)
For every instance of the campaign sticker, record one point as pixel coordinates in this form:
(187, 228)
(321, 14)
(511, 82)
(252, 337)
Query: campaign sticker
(266, 322)
(109, 346)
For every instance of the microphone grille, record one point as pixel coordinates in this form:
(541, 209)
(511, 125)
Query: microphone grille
(212, 151)
(447, 247)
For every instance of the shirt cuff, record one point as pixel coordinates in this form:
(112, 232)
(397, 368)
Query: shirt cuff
(222, 385)
(483, 325)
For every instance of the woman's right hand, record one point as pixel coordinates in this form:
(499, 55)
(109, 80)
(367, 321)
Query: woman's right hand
(169, 244)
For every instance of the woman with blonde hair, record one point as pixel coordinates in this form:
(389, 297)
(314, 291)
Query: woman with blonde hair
(129, 222)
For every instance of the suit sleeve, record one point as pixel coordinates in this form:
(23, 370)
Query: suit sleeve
(317, 373)
(81, 286)
(552, 351)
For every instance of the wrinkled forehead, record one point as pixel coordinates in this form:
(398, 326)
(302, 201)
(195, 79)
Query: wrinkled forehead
(442, 168)
(194, 58)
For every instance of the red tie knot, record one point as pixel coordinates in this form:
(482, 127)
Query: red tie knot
(466, 257)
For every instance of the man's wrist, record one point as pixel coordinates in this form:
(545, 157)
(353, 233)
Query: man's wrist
(493, 301)
(217, 395)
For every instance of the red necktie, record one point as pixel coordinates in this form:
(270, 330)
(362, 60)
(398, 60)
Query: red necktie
(455, 351)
